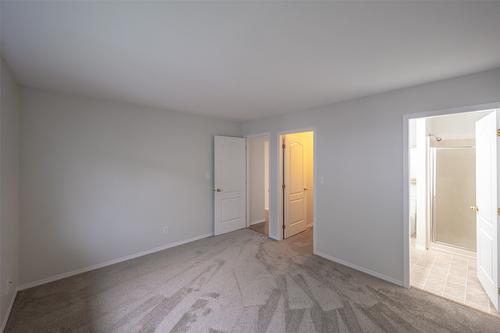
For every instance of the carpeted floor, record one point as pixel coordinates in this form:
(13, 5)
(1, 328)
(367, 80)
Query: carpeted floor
(237, 282)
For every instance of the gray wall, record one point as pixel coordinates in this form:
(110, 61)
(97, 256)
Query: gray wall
(9, 183)
(101, 180)
(359, 213)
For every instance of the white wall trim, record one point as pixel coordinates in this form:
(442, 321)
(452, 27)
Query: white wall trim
(110, 262)
(9, 310)
(257, 221)
(361, 269)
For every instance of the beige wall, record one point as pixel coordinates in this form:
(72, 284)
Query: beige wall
(308, 139)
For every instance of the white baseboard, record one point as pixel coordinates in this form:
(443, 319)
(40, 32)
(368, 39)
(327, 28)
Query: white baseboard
(7, 313)
(258, 221)
(109, 262)
(361, 269)
(450, 249)
(420, 247)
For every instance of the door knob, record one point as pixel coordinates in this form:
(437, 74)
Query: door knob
(474, 209)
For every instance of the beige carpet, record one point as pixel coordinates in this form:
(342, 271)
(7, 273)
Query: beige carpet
(238, 282)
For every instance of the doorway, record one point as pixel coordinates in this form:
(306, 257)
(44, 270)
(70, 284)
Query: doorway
(297, 184)
(258, 183)
(450, 254)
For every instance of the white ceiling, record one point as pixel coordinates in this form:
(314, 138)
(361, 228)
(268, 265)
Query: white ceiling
(244, 60)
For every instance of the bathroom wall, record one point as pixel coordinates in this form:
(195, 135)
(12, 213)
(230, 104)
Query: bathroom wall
(455, 127)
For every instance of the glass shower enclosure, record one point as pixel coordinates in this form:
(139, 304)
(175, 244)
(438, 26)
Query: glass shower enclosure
(454, 192)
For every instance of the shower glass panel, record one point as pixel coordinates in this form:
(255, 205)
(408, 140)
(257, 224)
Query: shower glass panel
(454, 192)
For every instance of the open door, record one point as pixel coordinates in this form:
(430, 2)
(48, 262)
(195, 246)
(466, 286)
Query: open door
(486, 204)
(294, 189)
(229, 184)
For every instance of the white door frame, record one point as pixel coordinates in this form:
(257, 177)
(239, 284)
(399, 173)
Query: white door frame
(268, 135)
(406, 193)
(279, 178)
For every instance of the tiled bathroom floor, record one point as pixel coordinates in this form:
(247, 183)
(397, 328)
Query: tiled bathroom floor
(452, 276)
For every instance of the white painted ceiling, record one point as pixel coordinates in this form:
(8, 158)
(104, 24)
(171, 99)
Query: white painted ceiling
(245, 60)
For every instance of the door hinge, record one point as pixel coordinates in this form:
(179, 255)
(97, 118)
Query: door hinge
(283, 146)
(498, 132)
(498, 211)
(283, 186)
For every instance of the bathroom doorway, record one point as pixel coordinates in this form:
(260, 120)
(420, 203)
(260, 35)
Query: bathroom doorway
(448, 254)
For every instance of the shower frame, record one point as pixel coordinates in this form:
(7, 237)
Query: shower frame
(433, 243)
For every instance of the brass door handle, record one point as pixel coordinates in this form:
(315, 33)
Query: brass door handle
(474, 209)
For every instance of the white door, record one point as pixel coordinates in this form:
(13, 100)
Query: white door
(294, 192)
(487, 206)
(229, 184)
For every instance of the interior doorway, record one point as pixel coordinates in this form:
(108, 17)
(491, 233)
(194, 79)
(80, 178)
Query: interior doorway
(452, 172)
(258, 183)
(229, 184)
(297, 183)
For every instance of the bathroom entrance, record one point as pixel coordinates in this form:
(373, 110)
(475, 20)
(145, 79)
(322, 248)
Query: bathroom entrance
(451, 187)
